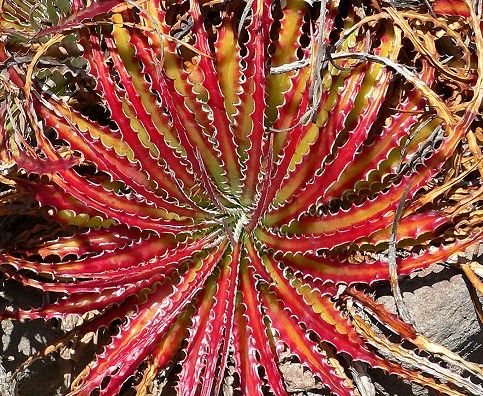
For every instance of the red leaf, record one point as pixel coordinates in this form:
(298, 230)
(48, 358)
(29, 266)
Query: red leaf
(82, 14)
(451, 8)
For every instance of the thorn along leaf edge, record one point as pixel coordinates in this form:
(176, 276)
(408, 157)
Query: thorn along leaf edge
(220, 183)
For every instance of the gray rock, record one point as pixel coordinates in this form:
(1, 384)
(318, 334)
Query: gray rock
(440, 307)
(297, 378)
(18, 340)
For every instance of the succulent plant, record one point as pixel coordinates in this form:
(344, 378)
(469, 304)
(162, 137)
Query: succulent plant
(226, 180)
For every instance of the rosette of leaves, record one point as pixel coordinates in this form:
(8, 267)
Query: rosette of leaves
(239, 175)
